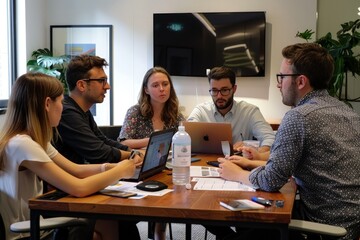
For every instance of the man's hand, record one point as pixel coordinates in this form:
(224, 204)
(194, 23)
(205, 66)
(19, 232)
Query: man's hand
(124, 155)
(138, 157)
(237, 146)
(229, 170)
(255, 154)
(246, 163)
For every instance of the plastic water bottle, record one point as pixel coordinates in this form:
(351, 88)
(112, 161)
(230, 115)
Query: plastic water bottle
(181, 157)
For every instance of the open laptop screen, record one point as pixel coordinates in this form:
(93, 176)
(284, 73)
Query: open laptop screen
(156, 155)
(157, 150)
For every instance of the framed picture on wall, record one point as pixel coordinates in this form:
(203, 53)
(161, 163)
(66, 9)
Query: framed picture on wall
(73, 40)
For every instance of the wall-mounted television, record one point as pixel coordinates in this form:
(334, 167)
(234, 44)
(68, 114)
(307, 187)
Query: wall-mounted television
(187, 44)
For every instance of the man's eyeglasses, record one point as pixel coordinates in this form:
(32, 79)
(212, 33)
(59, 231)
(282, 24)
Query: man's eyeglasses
(100, 80)
(280, 77)
(223, 92)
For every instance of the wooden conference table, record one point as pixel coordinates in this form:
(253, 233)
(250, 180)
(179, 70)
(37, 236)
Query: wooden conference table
(181, 206)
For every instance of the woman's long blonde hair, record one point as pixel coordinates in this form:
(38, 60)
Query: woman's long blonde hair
(26, 112)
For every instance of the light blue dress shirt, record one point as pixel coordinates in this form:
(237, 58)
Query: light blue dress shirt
(246, 120)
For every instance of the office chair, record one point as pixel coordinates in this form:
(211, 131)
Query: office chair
(45, 225)
(317, 228)
(59, 223)
(304, 226)
(111, 132)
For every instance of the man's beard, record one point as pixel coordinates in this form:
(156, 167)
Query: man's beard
(226, 105)
(290, 98)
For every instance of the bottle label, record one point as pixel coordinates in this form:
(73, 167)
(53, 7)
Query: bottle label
(181, 155)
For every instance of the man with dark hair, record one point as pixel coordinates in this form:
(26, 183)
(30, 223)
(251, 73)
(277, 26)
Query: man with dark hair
(246, 120)
(317, 144)
(81, 140)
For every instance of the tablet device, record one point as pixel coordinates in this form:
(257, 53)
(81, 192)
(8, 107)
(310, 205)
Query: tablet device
(241, 204)
(114, 193)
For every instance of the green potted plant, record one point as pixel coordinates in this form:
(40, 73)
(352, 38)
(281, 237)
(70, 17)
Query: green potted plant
(43, 61)
(341, 49)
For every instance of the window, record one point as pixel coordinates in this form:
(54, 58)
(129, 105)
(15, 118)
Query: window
(7, 47)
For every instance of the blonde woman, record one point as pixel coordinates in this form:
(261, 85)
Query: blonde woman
(26, 155)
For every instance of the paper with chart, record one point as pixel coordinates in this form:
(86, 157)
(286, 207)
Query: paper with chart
(220, 184)
(204, 171)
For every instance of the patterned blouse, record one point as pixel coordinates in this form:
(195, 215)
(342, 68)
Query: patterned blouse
(136, 126)
(318, 143)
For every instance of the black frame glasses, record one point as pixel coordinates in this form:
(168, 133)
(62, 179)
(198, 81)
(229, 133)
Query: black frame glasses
(224, 92)
(279, 77)
(100, 80)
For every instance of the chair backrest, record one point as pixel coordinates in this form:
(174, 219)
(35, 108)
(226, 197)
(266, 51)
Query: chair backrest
(111, 132)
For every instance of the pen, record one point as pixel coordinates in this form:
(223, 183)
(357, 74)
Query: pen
(262, 201)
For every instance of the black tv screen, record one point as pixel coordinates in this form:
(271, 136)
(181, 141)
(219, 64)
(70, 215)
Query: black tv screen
(187, 44)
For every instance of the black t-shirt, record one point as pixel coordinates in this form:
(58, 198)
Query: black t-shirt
(81, 141)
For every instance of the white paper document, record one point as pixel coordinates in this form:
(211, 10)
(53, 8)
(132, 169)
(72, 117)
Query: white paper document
(225, 146)
(204, 171)
(220, 184)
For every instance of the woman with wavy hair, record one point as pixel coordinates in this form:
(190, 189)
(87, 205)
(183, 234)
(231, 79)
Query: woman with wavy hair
(26, 155)
(157, 109)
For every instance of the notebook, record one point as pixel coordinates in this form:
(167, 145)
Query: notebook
(156, 155)
(206, 137)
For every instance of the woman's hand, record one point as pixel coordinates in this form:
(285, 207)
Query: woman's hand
(127, 168)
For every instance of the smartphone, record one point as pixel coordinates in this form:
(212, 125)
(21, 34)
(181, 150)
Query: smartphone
(213, 163)
(238, 153)
(193, 159)
(114, 193)
(54, 195)
(241, 204)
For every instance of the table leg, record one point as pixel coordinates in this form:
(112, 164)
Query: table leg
(188, 231)
(34, 225)
(284, 232)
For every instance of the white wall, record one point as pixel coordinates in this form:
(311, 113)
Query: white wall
(132, 48)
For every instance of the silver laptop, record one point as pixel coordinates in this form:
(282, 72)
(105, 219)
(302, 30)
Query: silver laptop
(156, 155)
(206, 137)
